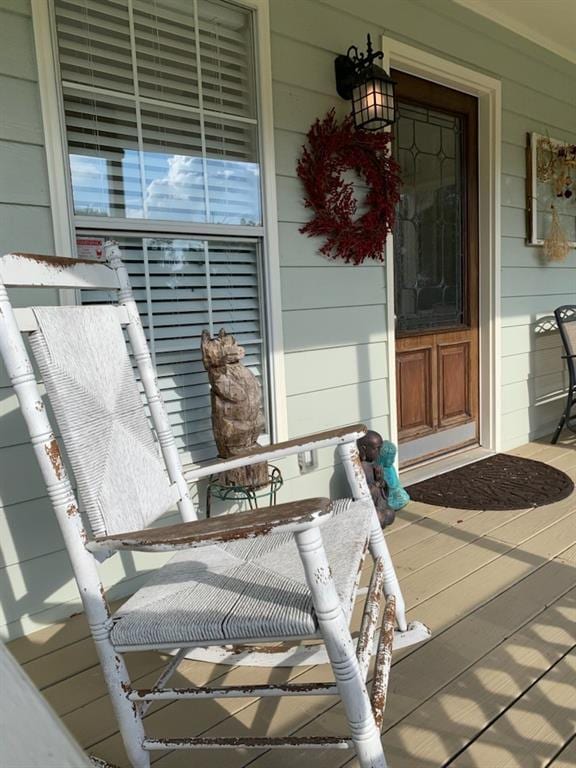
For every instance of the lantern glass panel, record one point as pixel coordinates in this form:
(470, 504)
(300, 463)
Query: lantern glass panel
(373, 104)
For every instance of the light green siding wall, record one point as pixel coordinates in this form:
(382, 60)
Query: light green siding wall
(334, 317)
(29, 537)
(538, 94)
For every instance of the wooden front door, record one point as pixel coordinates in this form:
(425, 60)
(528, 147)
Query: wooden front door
(436, 269)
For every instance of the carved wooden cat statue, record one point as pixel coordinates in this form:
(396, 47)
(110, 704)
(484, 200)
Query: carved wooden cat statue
(237, 414)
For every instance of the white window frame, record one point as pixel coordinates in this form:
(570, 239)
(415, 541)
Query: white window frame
(64, 223)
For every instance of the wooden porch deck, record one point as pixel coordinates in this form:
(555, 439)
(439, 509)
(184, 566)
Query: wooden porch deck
(496, 686)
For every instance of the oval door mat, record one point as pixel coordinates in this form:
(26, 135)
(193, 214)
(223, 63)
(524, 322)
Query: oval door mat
(499, 482)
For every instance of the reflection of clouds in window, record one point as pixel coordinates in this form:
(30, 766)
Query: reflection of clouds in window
(176, 189)
(132, 184)
(174, 259)
(234, 192)
(90, 185)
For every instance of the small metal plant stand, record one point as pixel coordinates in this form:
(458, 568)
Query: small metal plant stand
(244, 492)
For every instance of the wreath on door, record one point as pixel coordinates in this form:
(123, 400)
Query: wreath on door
(332, 149)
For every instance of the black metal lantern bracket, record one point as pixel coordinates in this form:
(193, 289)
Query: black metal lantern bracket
(352, 68)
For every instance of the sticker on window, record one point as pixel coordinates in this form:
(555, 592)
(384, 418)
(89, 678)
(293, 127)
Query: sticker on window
(90, 248)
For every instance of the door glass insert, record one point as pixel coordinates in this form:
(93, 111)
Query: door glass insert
(428, 238)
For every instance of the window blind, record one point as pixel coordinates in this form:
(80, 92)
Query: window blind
(183, 286)
(164, 90)
(161, 122)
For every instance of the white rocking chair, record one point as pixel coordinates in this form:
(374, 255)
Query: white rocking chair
(286, 573)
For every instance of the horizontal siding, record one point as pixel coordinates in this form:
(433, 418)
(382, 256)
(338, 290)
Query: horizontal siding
(531, 365)
(525, 338)
(25, 228)
(28, 529)
(525, 281)
(515, 253)
(315, 411)
(516, 126)
(519, 425)
(16, 6)
(334, 327)
(17, 57)
(319, 369)
(332, 286)
(18, 521)
(534, 392)
(24, 174)
(527, 310)
(22, 120)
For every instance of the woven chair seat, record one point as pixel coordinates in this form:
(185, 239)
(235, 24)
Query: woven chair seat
(243, 590)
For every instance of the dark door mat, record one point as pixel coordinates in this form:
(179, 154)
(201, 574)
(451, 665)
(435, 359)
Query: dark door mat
(499, 482)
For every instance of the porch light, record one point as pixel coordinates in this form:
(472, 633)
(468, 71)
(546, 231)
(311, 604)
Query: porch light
(368, 86)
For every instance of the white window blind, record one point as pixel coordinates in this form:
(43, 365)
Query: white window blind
(161, 120)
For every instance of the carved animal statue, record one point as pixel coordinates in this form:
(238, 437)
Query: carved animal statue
(237, 413)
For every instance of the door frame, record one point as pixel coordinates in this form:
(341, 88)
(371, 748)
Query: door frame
(488, 90)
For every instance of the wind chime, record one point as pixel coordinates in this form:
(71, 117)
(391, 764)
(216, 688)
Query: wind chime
(555, 162)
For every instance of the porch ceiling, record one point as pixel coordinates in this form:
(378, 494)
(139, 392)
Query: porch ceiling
(550, 24)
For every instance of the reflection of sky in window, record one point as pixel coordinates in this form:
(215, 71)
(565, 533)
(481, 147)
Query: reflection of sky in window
(174, 188)
(90, 185)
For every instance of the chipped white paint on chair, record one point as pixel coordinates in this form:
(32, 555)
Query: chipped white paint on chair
(57, 348)
(66, 509)
(378, 547)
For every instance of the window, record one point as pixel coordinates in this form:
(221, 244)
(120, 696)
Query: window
(161, 117)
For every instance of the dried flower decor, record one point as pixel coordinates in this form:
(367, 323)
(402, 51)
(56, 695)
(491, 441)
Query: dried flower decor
(551, 196)
(555, 163)
(556, 245)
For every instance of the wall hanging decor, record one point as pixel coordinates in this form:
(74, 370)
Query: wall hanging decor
(334, 148)
(551, 192)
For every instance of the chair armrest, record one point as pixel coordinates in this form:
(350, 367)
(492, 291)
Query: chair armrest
(294, 516)
(279, 450)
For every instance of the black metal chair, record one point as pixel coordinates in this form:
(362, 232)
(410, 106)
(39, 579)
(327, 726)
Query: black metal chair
(566, 319)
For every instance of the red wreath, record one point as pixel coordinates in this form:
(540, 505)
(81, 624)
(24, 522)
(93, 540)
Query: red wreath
(333, 148)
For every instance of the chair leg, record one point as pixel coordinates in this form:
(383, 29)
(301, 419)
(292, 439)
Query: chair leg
(127, 712)
(559, 428)
(378, 547)
(340, 648)
(565, 418)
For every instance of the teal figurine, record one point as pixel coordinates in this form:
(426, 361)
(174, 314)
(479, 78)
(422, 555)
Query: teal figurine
(397, 496)
(377, 457)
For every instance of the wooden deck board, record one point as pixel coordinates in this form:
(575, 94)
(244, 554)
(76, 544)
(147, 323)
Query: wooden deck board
(530, 732)
(497, 589)
(566, 758)
(420, 676)
(437, 730)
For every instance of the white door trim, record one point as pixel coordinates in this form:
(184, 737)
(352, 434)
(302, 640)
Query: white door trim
(489, 93)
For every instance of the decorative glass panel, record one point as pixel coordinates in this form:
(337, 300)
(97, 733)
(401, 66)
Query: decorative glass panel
(428, 242)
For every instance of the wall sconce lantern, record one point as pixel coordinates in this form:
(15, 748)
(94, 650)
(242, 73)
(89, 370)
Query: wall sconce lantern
(368, 86)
